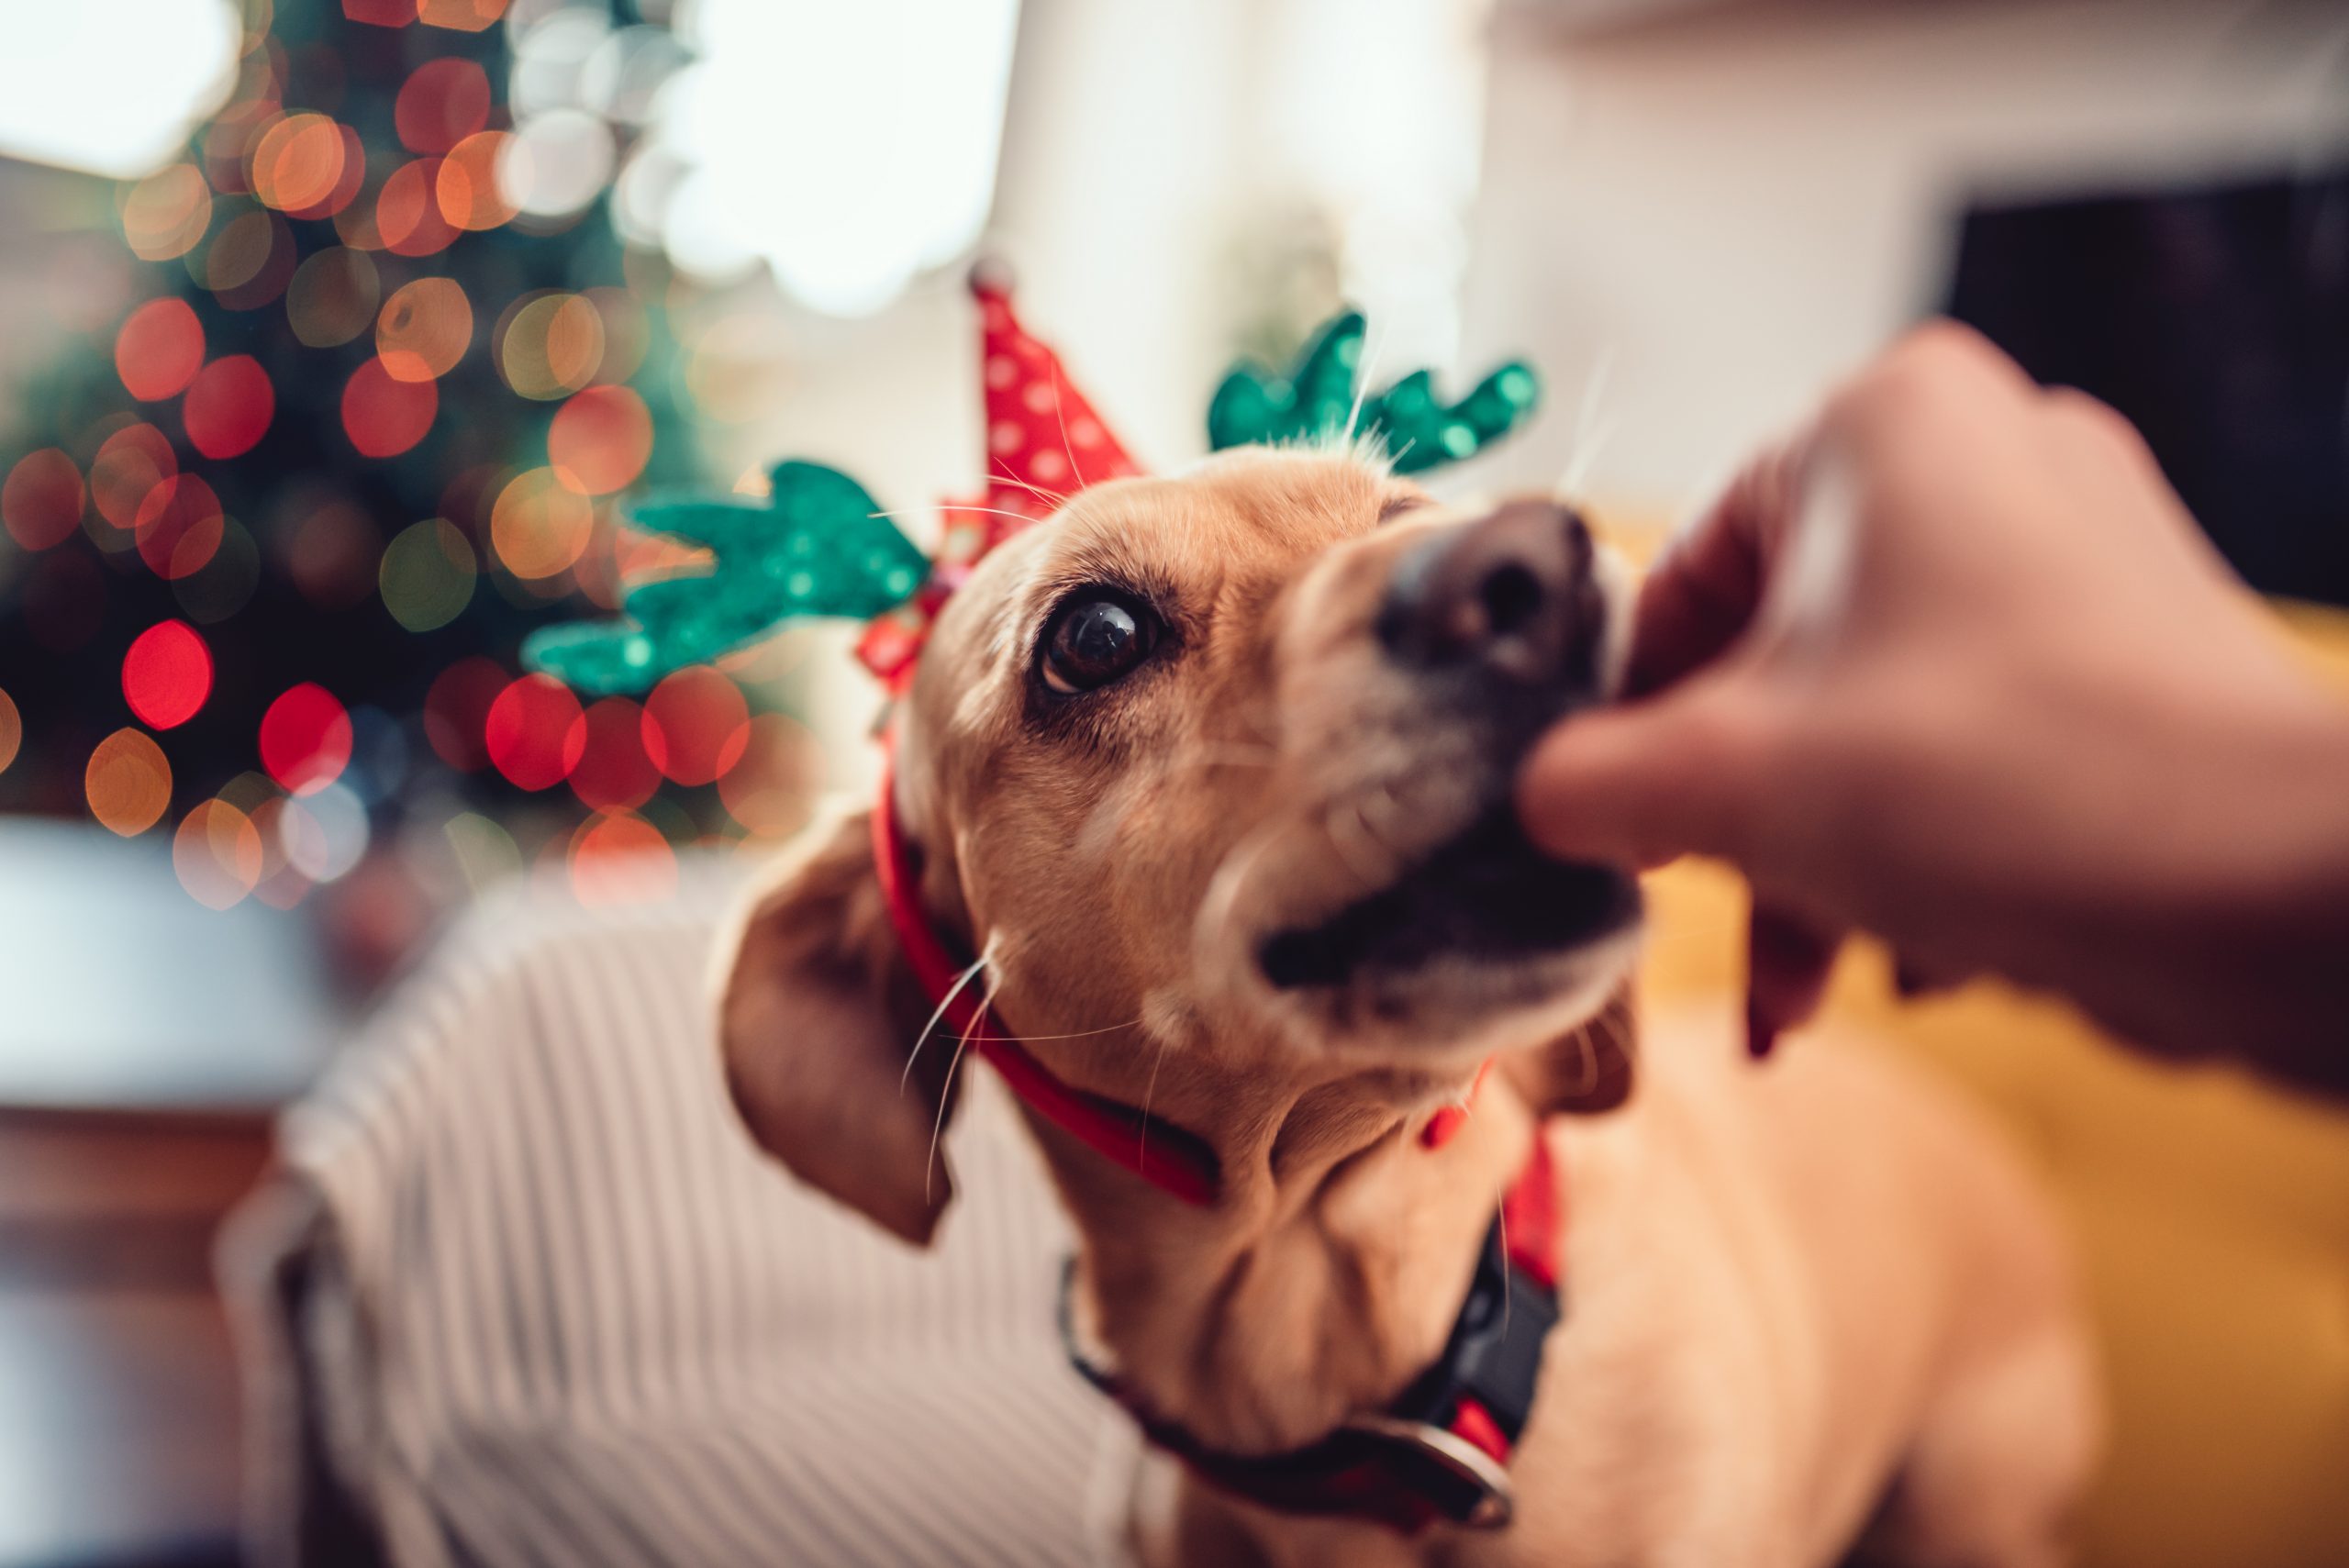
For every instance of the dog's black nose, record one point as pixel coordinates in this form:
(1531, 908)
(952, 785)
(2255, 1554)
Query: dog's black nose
(1510, 595)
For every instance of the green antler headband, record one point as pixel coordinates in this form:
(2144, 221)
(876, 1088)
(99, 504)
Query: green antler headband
(818, 546)
(1317, 400)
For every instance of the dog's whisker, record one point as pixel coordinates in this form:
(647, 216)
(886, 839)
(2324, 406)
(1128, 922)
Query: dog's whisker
(957, 506)
(1591, 433)
(1363, 374)
(1149, 1093)
(1061, 414)
(961, 981)
(1008, 477)
(946, 1091)
(1085, 1034)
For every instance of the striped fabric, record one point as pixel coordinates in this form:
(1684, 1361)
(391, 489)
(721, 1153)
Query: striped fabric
(526, 1294)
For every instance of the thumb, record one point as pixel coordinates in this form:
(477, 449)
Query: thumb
(1642, 785)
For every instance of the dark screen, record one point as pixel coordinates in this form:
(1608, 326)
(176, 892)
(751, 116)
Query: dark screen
(2217, 319)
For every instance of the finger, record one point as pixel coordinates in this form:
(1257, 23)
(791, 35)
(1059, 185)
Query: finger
(1641, 785)
(1702, 592)
(1788, 959)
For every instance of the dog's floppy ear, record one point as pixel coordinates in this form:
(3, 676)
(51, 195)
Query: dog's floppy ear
(1587, 1070)
(818, 1014)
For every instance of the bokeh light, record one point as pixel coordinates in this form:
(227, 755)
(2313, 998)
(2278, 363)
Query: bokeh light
(628, 333)
(441, 103)
(166, 675)
(540, 525)
(380, 13)
(179, 526)
(613, 773)
(41, 501)
(128, 783)
(332, 297)
(328, 837)
(771, 791)
(165, 214)
(467, 185)
(621, 859)
(407, 212)
(224, 584)
(298, 162)
(305, 738)
(159, 350)
(229, 406)
(427, 574)
(384, 415)
(696, 725)
(424, 329)
(331, 554)
(600, 440)
(11, 731)
(556, 162)
(456, 712)
(217, 854)
(346, 188)
(460, 16)
(550, 346)
(535, 733)
(130, 464)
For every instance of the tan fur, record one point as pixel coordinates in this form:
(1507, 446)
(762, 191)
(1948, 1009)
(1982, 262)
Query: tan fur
(1794, 1291)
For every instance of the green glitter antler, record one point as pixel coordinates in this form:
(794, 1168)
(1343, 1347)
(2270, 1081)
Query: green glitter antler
(1316, 399)
(815, 546)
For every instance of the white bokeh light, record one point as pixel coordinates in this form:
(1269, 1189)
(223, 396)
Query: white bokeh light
(848, 147)
(111, 86)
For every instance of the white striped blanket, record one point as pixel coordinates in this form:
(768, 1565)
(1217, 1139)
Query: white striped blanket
(524, 1294)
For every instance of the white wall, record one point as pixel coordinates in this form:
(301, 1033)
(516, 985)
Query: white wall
(1732, 208)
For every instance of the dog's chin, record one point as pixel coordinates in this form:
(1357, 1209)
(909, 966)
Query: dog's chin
(1481, 934)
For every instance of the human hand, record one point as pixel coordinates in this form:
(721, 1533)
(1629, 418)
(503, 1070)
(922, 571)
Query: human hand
(1957, 667)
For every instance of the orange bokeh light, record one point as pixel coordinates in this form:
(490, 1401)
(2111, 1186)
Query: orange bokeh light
(600, 440)
(467, 187)
(130, 466)
(298, 162)
(165, 214)
(460, 16)
(217, 854)
(11, 731)
(424, 329)
(621, 859)
(128, 783)
(229, 406)
(384, 415)
(159, 350)
(696, 725)
(408, 211)
(41, 502)
(540, 525)
(346, 188)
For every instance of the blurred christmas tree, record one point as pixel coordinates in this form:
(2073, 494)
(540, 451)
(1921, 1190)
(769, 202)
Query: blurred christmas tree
(281, 534)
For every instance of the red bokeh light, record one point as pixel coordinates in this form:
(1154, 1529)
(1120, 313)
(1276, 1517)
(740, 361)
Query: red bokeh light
(380, 13)
(613, 773)
(456, 712)
(166, 675)
(384, 415)
(440, 104)
(305, 738)
(228, 408)
(40, 504)
(695, 725)
(159, 350)
(536, 733)
(179, 525)
(600, 440)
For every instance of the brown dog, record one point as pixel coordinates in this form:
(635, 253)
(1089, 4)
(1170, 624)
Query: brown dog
(1212, 773)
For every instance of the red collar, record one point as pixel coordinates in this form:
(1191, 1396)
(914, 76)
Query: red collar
(1441, 1451)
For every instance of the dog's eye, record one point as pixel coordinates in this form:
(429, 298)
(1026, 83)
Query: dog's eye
(1096, 637)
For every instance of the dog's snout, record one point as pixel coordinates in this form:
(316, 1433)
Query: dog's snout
(1510, 595)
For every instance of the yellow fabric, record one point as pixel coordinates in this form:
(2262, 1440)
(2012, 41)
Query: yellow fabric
(2213, 1216)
